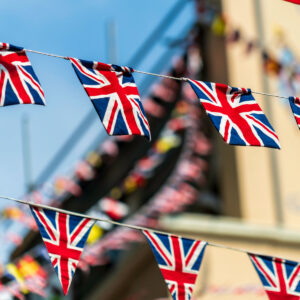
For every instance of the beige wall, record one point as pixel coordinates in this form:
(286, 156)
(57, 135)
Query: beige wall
(256, 186)
(229, 269)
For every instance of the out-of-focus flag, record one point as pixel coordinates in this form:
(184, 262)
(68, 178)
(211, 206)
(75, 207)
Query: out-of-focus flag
(63, 184)
(14, 238)
(95, 234)
(18, 82)
(29, 267)
(84, 171)
(35, 276)
(15, 213)
(113, 208)
(13, 272)
(94, 159)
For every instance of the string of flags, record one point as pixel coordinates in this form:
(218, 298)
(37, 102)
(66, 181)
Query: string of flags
(115, 97)
(28, 276)
(55, 194)
(113, 208)
(180, 190)
(186, 174)
(114, 94)
(179, 258)
(95, 158)
(283, 63)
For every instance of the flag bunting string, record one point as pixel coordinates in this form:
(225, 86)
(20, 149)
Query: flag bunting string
(152, 74)
(141, 228)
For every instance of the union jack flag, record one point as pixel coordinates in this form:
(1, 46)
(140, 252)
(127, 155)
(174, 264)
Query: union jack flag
(293, 1)
(18, 82)
(280, 278)
(115, 97)
(64, 236)
(235, 114)
(179, 260)
(295, 106)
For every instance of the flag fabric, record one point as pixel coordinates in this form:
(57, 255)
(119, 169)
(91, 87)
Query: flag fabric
(293, 1)
(10, 47)
(295, 106)
(179, 260)
(64, 236)
(18, 82)
(280, 278)
(235, 114)
(114, 95)
(12, 272)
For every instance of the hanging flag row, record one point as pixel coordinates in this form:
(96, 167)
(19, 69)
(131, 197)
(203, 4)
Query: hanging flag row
(111, 89)
(114, 94)
(111, 206)
(179, 259)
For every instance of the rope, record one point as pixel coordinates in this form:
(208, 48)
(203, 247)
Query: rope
(141, 228)
(48, 54)
(153, 74)
(270, 95)
(160, 75)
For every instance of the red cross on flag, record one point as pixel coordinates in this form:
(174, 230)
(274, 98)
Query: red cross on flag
(179, 260)
(64, 237)
(293, 1)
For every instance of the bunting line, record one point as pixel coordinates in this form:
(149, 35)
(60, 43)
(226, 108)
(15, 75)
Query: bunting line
(141, 228)
(152, 74)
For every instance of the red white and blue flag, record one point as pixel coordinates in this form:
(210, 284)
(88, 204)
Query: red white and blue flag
(115, 97)
(280, 278)
(293, 1)
(113, 208)
(295, 106)
(179, 260)
(64, 236)
(235, 114)
(18, 82)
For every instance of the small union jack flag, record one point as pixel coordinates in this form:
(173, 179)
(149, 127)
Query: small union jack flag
(64, 236)
(293, 1)
(115, 97)
(18, 82)
(179, 260)
(235, 114)
(295, 106)
(280, 278)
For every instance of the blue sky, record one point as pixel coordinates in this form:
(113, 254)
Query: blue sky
(69, 28)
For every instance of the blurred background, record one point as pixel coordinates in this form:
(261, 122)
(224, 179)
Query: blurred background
(186, 180)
